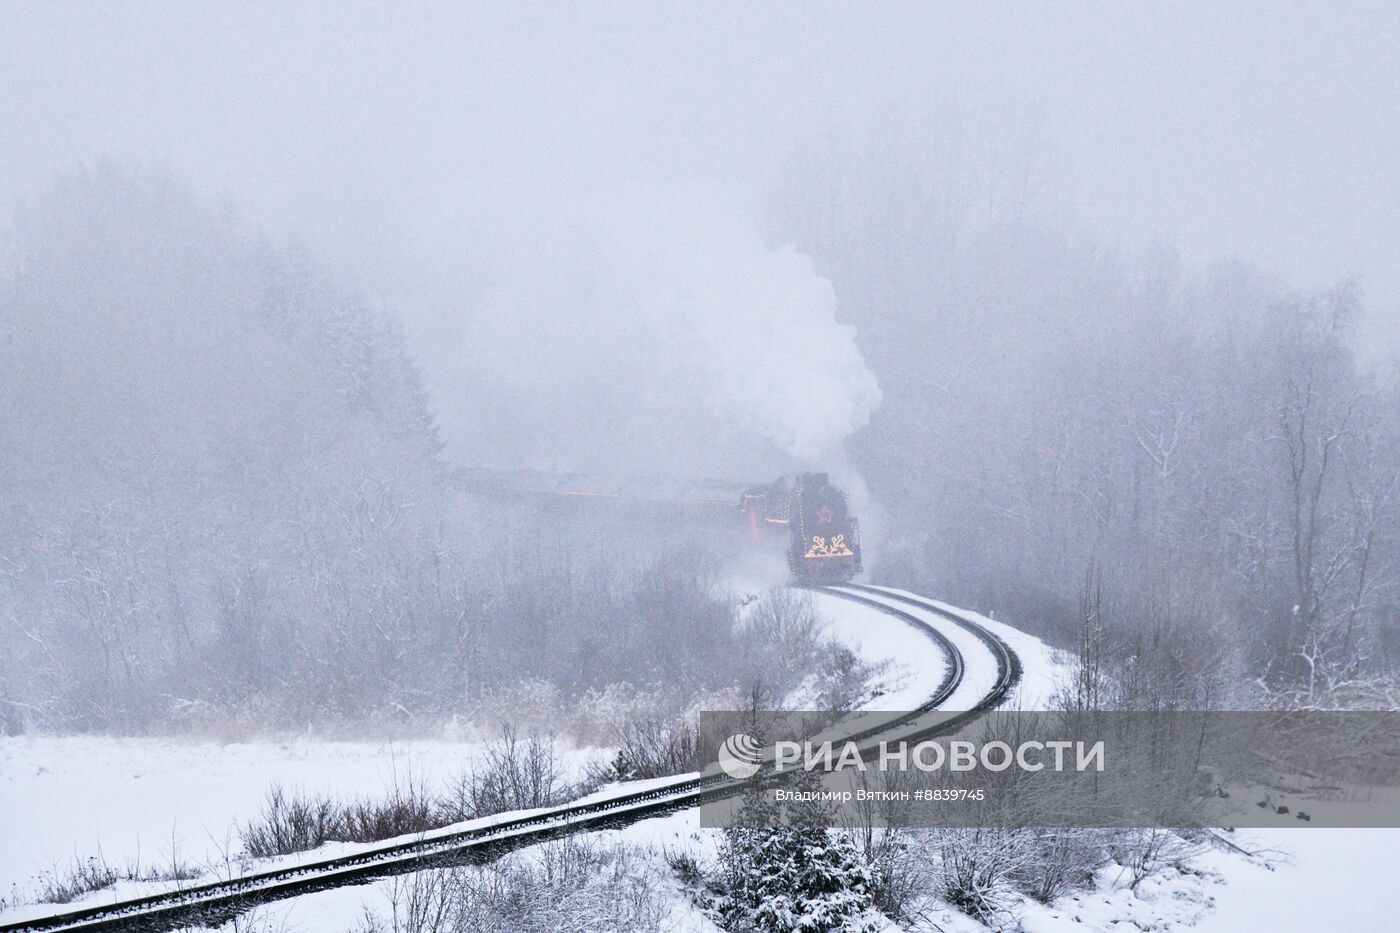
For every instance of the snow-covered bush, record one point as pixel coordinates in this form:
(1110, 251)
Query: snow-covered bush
(81, 877)
(409, 807)
(1060, 861)
(653, 748)
(973, 870)
(1145, 851)
(290, 823)
(295, 823)
(511, 773)
(568, 885)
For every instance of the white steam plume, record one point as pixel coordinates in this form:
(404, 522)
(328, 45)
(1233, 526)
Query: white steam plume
(660, 317)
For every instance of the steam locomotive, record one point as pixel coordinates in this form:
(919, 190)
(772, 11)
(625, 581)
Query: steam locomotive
(806, 512)
(823, 537)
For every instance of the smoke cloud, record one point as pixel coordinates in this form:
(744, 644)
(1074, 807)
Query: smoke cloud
(661, 312)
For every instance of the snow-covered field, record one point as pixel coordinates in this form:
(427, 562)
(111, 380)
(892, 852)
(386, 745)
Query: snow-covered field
(71, 797)
(68, 797)
(64, 798)
(1324, 879)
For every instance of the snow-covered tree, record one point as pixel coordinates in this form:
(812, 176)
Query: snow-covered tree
(783, 871)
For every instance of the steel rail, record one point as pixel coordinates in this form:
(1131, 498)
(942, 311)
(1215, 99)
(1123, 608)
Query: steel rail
(1008, 662)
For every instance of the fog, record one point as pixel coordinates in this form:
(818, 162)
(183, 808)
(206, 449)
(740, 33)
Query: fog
(1091, 291)
(420, 151)
(670, 319)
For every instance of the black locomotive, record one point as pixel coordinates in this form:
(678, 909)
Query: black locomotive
(823, 537)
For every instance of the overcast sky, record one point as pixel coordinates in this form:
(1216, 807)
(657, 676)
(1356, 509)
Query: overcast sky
(400, 143)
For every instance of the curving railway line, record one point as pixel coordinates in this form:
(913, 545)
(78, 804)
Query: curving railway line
(215, 902)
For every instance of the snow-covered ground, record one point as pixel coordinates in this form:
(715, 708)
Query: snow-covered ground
(1312, 880)
(1043, 668)
(133, 799)
(913, 663)
(1323, 879)
(68, 797)
(342, 909)
(63, 798)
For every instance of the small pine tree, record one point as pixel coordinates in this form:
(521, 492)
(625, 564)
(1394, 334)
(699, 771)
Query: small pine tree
(785, 872)
(621, 769)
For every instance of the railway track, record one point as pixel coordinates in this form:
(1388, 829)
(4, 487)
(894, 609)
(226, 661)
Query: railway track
(1008, 663)
(216, 902)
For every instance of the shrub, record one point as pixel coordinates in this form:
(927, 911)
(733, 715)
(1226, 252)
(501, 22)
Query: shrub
(787, 879)
(1061, 860)
(94, 873)
(409, 808)
(780, 870)
(566, 885)
(1147, 850)
(290, 824)
(652, 748)
(974, 870)
(511, 774)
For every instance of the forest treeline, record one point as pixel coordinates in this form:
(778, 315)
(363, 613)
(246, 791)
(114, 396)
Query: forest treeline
(223, 501)
(1186, 464)
(223, 493)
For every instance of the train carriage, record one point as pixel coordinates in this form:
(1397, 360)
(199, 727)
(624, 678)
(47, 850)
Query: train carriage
(811, 514)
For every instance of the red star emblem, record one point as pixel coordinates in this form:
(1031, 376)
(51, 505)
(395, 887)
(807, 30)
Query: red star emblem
(824, 515)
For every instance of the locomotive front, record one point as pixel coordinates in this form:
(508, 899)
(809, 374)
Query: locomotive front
(823, 535)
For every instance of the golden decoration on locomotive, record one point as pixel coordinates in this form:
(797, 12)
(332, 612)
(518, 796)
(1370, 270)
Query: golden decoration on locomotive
(836, 547)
